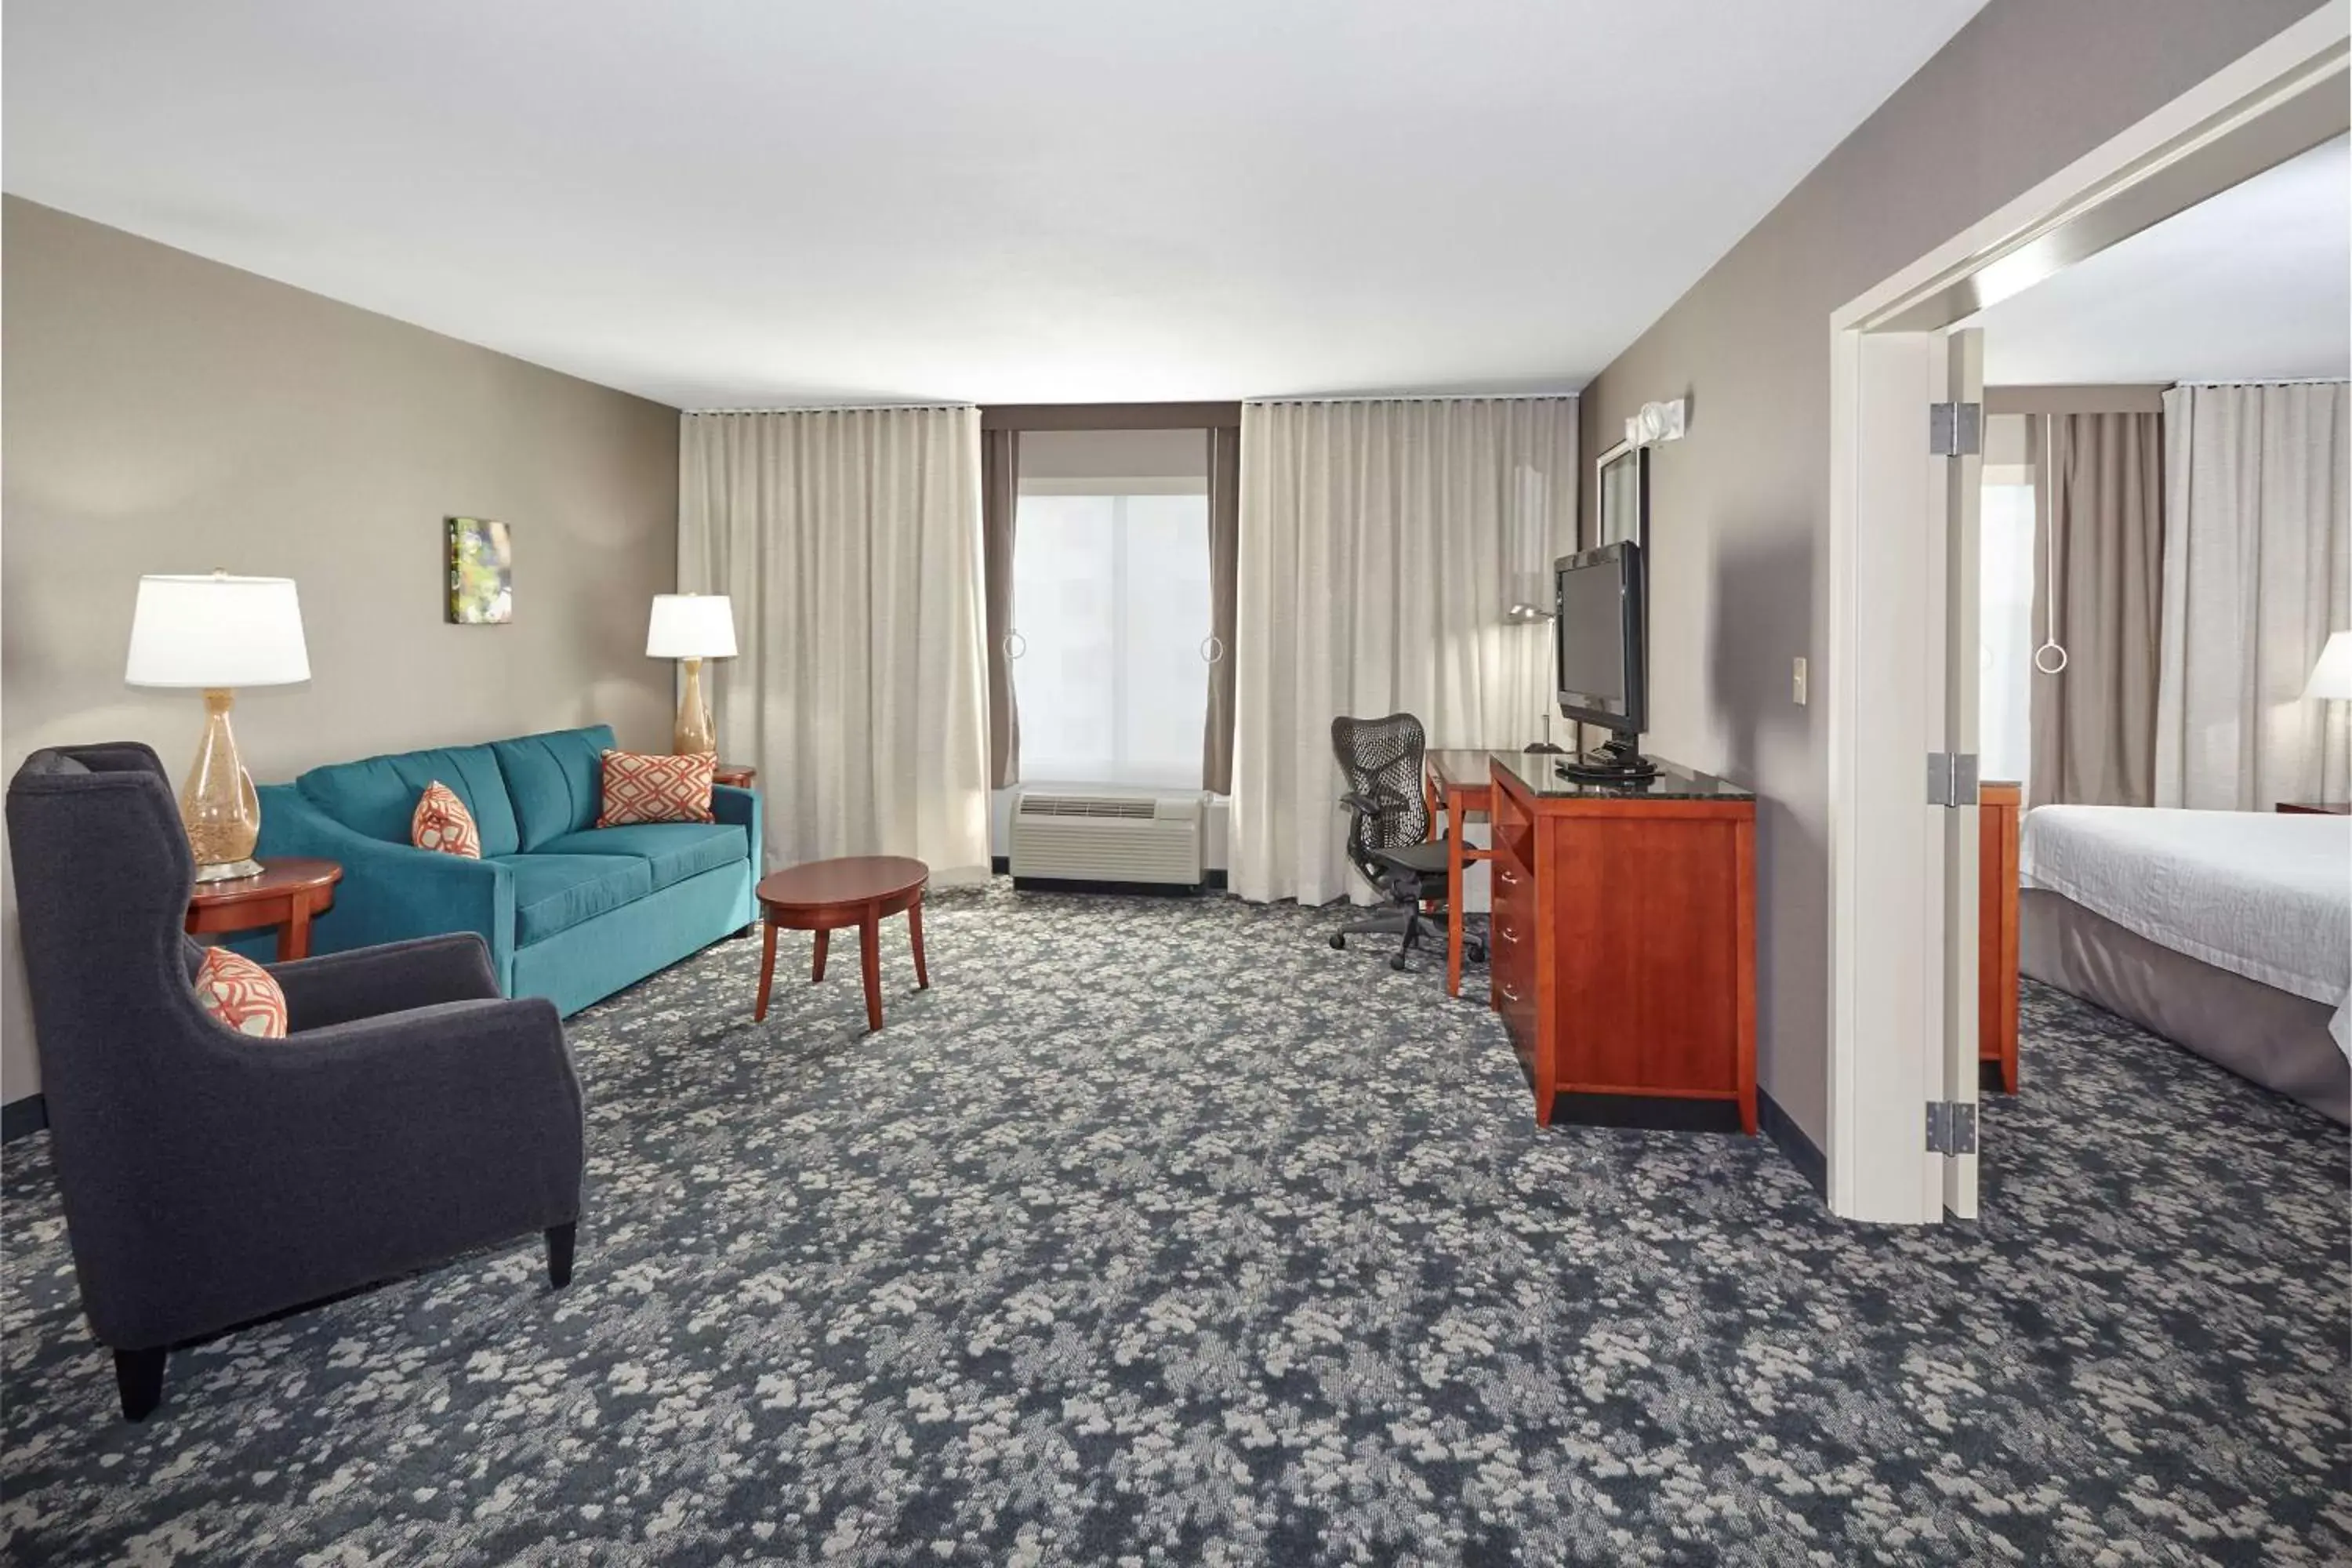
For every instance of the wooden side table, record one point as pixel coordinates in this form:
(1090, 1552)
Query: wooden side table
(738, 775)
(2313, 808)
(287, 895)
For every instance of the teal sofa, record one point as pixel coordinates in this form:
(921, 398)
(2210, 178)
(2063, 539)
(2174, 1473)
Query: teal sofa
(571, 911)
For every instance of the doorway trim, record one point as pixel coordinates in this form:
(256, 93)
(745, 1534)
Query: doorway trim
(1888, 935)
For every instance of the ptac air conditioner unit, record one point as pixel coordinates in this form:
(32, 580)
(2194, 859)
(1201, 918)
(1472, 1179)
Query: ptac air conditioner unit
(1062, 836)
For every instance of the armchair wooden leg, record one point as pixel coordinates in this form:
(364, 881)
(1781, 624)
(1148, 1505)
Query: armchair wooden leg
(560, 1239)
(139, 1377)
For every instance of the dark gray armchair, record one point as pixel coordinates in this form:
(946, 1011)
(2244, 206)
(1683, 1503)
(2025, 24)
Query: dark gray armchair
(210, 1179)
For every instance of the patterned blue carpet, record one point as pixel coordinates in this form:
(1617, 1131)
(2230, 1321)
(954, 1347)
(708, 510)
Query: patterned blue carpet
(1159, 1233)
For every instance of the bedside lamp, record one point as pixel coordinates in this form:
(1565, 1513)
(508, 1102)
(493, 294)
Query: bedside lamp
(2331, 678)
(214, 633)
(691, 628)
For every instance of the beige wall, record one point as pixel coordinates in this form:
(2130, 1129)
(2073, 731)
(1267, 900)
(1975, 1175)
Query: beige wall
(1740, 512)
(160, 413)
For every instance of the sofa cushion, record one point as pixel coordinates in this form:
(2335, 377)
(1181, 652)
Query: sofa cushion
(377, 795)
(556, 781)
(672, 850)
(556, 892)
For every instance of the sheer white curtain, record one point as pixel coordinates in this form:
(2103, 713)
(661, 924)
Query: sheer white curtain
(850, 541)
(2257, 573)
(1382, 544)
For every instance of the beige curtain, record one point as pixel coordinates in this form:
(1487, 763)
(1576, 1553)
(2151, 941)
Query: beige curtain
(2257, 573)
(1224, 561)
(2099, 562)
(850, 542)
(1382, 545)
(999, 510)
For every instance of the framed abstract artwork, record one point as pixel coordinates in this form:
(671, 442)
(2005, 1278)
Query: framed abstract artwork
(481, 573)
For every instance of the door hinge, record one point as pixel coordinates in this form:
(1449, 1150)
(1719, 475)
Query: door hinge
(1955, 429)
(1951, 778)
(1951, 1128)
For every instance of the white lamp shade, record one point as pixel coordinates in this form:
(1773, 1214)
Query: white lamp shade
(691, 625)
(216, 631)
(2332, 676)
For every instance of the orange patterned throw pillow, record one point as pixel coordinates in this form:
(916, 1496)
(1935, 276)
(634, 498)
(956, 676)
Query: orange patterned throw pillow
(241, 994)
(442, 825)
(639, 787)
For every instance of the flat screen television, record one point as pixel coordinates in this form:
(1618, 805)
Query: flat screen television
(1598, 600)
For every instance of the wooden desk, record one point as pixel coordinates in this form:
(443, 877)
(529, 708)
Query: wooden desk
(286, 894)
(1624, 934)
(1459, 783)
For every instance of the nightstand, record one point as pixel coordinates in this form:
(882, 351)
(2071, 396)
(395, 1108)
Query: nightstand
(738, 775)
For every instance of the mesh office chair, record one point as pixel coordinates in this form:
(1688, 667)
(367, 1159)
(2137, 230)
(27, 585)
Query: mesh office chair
(1388, 835)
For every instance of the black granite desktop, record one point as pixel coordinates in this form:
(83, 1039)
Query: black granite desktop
(1539, 773)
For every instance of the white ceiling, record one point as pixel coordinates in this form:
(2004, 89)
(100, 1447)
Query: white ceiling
(2254, 284)
(719, 202)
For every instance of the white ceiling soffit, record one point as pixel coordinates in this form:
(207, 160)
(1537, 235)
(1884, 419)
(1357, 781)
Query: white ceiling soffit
(721, 204)
(2254, 284)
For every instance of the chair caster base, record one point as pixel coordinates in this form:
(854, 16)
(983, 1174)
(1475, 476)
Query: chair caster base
(1397, 963)
(1476, 953)
(1340, 942)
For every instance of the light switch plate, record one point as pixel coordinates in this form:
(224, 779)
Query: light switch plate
(1797, 681)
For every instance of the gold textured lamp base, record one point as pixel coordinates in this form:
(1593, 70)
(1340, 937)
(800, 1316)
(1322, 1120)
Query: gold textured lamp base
(694, 734)
(217, 805)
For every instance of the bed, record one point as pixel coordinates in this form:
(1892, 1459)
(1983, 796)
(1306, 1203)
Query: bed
(2229, 932)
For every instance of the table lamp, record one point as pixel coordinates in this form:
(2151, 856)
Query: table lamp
(691, 628)
(2331, 678)
(214, 633)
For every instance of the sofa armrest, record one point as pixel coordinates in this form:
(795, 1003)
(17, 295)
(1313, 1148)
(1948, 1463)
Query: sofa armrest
(391, 892)
(371, 982)
(741, 807)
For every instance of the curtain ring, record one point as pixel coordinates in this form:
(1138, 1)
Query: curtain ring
(2046, 666)
(1011, 651)
(1212, 640)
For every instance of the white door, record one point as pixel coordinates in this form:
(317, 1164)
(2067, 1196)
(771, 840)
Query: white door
(1954, 558)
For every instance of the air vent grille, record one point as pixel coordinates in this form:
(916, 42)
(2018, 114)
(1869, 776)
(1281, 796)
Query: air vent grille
(1131, 808)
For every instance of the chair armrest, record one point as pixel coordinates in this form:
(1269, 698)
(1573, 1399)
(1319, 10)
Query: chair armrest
(369, 982)
(458, 1109)
(741, 807)
(391, 892)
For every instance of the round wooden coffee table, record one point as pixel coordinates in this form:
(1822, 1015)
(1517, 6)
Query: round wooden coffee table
(824, 895)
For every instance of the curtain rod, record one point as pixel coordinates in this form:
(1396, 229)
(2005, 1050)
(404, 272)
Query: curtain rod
(835, 408)
(1433, 397)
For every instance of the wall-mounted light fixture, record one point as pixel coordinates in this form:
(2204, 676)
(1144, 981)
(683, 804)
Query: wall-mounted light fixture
(1656, 422)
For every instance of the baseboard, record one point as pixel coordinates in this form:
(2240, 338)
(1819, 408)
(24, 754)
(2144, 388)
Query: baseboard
(1803, 1152)
(1649, 1112)
(1212, 881)
(23, 1118)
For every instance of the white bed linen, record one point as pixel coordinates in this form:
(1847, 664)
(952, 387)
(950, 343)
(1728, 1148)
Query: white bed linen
(2264, 895)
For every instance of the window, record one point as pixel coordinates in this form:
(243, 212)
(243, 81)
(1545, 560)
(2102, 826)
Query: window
(2005, 631)
(1110, 606)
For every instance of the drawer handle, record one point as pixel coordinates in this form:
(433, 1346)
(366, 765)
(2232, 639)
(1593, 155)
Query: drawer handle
(1509, 992)
(1508, 935)
(1508, 880)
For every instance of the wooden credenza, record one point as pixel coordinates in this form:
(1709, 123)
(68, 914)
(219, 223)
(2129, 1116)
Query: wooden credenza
(1623, 943)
